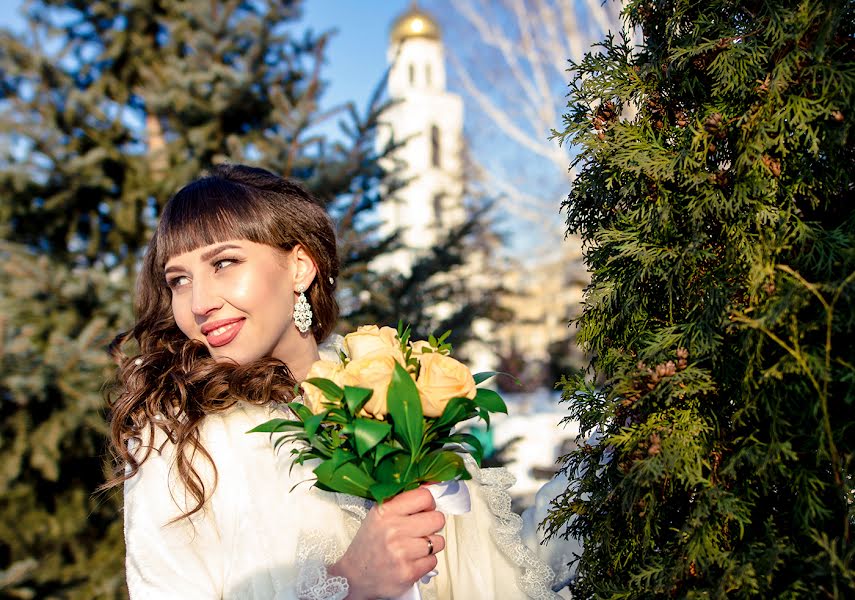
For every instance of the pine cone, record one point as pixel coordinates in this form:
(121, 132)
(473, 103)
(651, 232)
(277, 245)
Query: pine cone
(715, 125)
(773, 164)
(607, 111)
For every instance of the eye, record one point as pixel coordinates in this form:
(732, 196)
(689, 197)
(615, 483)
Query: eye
(222, 263)
(177, 282)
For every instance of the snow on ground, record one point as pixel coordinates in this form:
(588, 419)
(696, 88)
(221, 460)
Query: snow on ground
(535, 418)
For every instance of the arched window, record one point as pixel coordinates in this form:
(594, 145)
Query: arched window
(412, 72)
(434, 146)
(437, 211)
(427, 75)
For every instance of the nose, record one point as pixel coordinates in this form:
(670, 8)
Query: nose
(205, 298)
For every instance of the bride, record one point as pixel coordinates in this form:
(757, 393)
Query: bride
(213, 512)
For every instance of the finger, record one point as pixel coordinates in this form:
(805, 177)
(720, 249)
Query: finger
(411, 502)
(423, 566)
(423, 523)
(438, 542)
(418, 547)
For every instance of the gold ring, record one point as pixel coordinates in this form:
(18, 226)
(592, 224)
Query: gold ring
(430, 545)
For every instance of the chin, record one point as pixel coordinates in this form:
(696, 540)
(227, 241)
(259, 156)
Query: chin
(232, 358)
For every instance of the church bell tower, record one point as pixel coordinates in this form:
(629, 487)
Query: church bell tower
(430, 120)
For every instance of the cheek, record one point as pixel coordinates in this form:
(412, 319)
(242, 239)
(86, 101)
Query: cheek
(259, 290)
(243, 290)
(182, 314)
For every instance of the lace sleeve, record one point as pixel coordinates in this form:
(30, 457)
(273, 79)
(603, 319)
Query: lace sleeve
(535, 576)
(316, 552)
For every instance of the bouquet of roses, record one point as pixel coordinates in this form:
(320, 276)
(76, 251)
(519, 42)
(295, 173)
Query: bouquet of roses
(381, 419)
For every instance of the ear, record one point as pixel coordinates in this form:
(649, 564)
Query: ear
(304, 267)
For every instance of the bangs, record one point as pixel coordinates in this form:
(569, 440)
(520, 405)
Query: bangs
(213, 210)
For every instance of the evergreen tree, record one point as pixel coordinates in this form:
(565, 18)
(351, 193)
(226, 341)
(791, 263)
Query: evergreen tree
(57, 540)
(108, 108)
(720, 231)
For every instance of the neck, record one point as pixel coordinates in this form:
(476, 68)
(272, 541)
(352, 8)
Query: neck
(299, 354)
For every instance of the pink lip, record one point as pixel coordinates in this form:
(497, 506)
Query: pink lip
(221, 339)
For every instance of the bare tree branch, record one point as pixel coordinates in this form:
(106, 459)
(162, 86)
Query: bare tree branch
(510, 59)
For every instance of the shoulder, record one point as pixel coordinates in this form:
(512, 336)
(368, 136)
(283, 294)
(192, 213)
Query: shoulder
(226, 430)
(224, 437)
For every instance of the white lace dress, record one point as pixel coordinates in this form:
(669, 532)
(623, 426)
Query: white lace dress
(267, 533)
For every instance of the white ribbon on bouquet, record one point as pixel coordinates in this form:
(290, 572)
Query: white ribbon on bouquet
(452, 498)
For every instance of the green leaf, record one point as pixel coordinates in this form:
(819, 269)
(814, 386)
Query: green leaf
(490, 400)
(368, 433)
(384, 491)
(301, 410)
(405, 408)
(341, 456)
(403, 333)
(322, 486)
(394, 468)
(355, 398)
(338, 416)
(311, 424)
(329, 389)
(276, 426)
(384, 450)
(457, 409)
(467, 439)
(346, 478)
(440, 465)
(324, 473)
(485, 375)
(287, 438)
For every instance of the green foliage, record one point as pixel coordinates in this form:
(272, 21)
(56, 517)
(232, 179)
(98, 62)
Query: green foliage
(58, 539)
(106, 109)
(378, 458)
(714, 193)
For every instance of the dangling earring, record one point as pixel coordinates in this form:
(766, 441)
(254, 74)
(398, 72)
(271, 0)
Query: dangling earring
(302, 312)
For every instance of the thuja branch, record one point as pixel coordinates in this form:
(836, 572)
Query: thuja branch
(798, 356)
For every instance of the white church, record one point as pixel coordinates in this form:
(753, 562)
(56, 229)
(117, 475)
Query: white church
(430, 119)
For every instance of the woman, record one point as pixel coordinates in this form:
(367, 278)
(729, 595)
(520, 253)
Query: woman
(212, 512)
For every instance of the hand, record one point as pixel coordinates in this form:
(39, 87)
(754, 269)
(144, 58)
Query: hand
(390, 553)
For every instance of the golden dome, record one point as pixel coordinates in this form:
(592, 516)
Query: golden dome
(414, 23)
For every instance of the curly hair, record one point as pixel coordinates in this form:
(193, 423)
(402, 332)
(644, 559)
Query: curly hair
(173, 382)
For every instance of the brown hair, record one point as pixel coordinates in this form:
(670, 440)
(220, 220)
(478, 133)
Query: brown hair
(173, 382)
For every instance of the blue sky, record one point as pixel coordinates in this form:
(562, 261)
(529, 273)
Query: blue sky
(356, 61)
(356, 55)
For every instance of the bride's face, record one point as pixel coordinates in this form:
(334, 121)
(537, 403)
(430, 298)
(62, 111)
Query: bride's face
(237, 297)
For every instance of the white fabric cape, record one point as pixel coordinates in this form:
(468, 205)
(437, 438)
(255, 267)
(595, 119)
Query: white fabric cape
(267, 533)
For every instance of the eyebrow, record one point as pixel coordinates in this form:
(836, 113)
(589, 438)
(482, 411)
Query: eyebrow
(204, 258)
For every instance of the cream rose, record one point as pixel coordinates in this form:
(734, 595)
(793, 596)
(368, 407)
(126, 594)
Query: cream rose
(442, 378)
(419, 346)
(375, 373)
(324, 369)
(370, 340)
